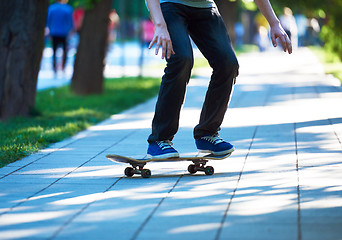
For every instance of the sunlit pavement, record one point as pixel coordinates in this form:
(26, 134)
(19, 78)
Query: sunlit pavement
(282, 182)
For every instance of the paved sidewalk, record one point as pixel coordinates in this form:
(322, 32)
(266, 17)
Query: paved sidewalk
(283, 181)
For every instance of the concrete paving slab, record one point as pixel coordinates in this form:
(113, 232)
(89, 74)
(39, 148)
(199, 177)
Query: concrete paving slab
(259, 230)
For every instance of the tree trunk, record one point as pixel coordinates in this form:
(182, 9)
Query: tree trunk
(228, 12)
(89, 61)
(22, 24)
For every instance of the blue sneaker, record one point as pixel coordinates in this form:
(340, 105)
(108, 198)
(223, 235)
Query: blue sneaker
(161, 149)
(214, 144)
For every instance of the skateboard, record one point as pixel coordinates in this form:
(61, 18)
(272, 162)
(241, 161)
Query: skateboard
(137, 165)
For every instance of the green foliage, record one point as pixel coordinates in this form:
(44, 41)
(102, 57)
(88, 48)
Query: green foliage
(332, 39)
(330, 10)
(331, 61)
(60, 114)
(248, 5)
(86, 4)
(131, 9)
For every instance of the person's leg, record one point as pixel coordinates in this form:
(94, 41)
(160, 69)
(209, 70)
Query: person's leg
(177, 74)
(63, 41)
(54, 48)
(208, 31)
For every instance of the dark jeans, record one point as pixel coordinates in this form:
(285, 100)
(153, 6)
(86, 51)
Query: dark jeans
(56, 41)
(207, 29)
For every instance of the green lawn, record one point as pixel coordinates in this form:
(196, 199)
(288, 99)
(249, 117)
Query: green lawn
(60, 114)
(332, 63)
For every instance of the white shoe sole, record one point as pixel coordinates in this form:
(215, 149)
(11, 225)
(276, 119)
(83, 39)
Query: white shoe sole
(168, 155)
(217, 153)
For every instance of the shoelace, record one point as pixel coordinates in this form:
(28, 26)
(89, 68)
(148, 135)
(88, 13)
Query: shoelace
(215, 139)
(165, 144)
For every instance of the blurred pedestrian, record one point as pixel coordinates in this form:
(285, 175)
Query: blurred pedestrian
(239, 32)
(261, 37)
(289, 24)
(114, 23)
(78, 16)
(60, 25)
(147, 31)
(302, 26)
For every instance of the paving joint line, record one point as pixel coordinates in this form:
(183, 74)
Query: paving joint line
(136, 234)
(268, 95)
(218, 234)
(45, 155)
(58, 231)
(299, 221)
(299, 225)
(329, 119)
(57, 180)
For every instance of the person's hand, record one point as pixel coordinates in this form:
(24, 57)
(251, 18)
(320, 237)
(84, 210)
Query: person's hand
(162, 39)
(277, 32)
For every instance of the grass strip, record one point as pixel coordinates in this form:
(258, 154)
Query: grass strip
(59, 114)
(332, 63)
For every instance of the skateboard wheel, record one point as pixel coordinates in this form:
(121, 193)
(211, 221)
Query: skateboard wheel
(129, 172)
(145, 173)
(209, 170)
(192, 169)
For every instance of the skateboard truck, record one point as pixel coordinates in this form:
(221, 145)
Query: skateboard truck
(138, 168)
(200, 166)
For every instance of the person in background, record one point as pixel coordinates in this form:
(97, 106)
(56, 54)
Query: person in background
(289, 24)
(114, 23)
(78, 16)
(302, 26)
(60, 25)
(261, 38)
(147, 31)
(239, 31)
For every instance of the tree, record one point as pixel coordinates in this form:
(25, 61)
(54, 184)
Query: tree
(228, 10)
(89, 61)
(22, 24)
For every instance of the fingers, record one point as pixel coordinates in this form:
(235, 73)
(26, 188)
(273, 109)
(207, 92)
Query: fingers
(154, 40)
(274, 40)
(285, 42)
(169, 50)
(289, 45)
(164, 44)
(157, 47)
(164, 49)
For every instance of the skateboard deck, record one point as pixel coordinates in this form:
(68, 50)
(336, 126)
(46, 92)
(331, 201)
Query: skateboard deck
(199, 163)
